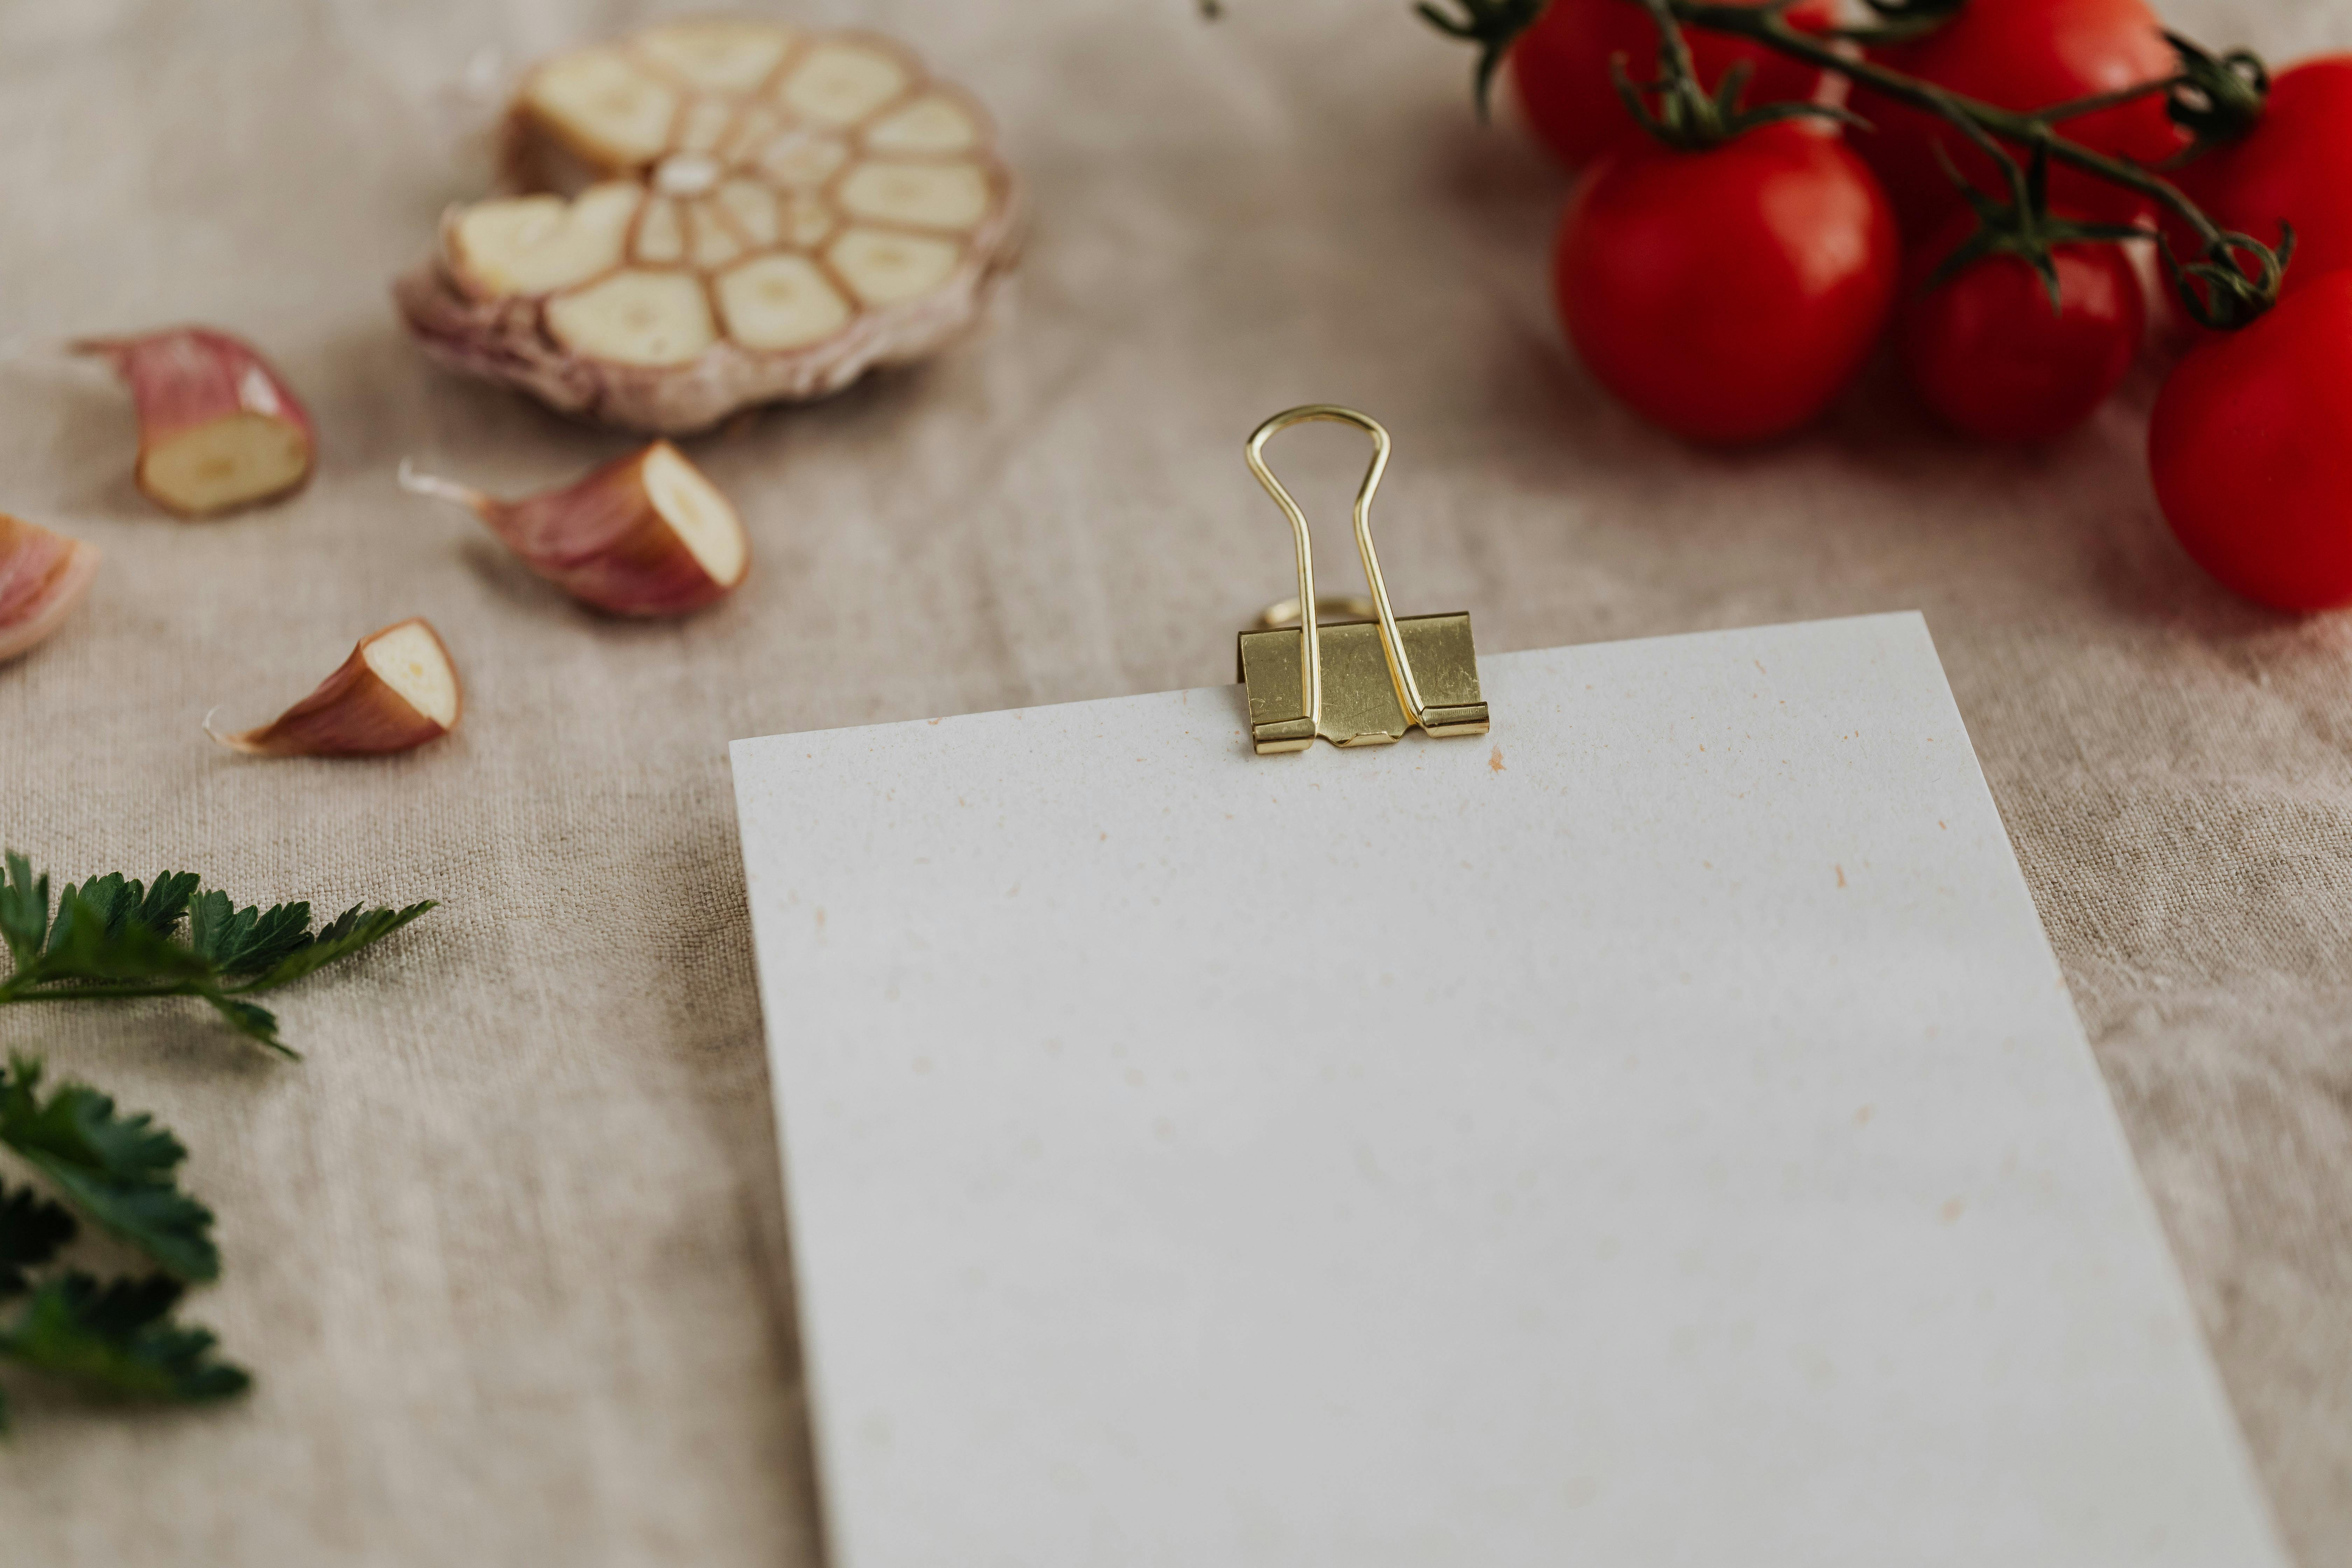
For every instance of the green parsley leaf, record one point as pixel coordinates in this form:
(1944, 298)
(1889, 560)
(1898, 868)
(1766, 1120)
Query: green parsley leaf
(113, 937)
(252, 1021)
(118, 1337)
(32, 1229)
(343, 936)
(118, 1170)
(24, 909)
(122, 904)
(111, 1337)
(94, 940)
(246, 940)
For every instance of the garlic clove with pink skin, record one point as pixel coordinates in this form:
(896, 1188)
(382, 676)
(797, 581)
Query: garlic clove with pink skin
(218, 427)
(43, 576)
(646, 534)
(396, 692)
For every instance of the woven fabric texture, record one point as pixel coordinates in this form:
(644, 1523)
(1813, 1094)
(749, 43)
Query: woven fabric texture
(507, 1250)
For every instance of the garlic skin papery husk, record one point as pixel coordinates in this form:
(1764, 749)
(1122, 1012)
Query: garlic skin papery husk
(218, 427)
(648, 534)
(397, 691)
(718, 212)
(42, 576)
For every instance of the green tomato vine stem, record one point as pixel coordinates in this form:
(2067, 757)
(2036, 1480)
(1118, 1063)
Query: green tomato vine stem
(2215, 97)
(1764, 25)
(2075, 108)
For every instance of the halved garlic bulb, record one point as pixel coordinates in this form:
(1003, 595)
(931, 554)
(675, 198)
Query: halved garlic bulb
(718, 211)
(646, 534)
(218, 427)
(396, 692)
(42, 576)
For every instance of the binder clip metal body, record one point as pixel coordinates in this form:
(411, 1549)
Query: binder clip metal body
(1366, 679)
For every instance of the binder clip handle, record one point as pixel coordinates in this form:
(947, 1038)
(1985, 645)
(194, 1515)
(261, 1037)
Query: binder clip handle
(1337, 697)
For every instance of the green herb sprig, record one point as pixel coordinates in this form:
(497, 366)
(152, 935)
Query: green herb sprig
(113, 1337)
(112, 938)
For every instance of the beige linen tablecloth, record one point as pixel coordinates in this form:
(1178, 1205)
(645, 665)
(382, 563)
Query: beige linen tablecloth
(507, 1251)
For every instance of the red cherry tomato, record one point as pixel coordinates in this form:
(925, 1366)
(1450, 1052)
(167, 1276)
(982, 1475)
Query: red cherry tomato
(2295, 167)
(1987, 354)
(2022, 54)
(1560, 68)
(1728, 294)
(2251, 446)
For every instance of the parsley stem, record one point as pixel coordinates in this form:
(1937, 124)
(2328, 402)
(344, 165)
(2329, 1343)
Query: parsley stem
(96, 993)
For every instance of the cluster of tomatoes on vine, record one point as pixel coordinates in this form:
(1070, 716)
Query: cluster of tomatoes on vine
(1731, 256)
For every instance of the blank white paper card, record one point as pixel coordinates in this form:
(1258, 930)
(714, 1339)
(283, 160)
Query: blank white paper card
(1653, 1134)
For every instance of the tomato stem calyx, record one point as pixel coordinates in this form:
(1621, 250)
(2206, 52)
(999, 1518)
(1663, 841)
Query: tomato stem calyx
(2231, 295)
(1491, 24)
(2021, 227)
(1687, 117)
(2215, 98)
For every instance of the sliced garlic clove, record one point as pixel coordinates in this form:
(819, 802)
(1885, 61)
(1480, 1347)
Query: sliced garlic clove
(661, 238)
(645, 535)
(780, 302)
(602, 104)
(702, 126)
(635, 318)
(807, 221)
(396, 692)
(887, 268)
(802, 160)
(719, 54)
(42, 576)
(950, 196)
(840, 83)
(218, 428)
(934, 124)
(753, 128)
(532, 245)
(715, 241)
(751, 206)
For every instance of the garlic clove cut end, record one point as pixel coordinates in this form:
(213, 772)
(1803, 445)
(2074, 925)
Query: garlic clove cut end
(410, 660)
(704, 520)
(234, 461)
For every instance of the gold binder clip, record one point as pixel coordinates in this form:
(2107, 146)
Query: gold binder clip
(1361, 681)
